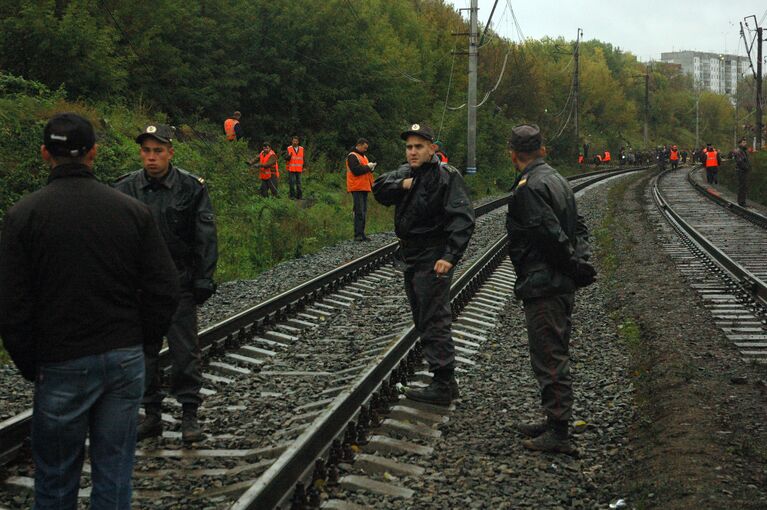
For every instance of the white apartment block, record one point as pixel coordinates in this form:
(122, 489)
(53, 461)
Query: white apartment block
(716, 72)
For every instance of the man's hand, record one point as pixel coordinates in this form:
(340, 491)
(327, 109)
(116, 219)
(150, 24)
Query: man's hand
(372, 166)
(442, 266)
(407, 183)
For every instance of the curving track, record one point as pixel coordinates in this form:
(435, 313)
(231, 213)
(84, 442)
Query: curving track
(280, 386)
(722, 249)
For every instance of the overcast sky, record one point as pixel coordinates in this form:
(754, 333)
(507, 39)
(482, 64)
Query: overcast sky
(644, 27)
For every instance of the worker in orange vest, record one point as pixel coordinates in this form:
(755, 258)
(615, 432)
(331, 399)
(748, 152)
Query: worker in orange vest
(712, 160)
(606, 157)
(232, 127)
(580, 159)
(269, 170)
(441, 152)
(359, 182)
(296, 164)
(673, 156)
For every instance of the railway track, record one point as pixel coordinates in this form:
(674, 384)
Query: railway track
(721, 248)
(280, 385)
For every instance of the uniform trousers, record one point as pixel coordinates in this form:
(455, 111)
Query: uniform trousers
(295, 185)
(268, 185)
(742, 186)
(186, 362)
(549, 324)
(429, 296)
(360, 199)
(712, 173)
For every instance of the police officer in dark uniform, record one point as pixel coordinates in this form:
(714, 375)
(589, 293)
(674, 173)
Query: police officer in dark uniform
(434, 220)
(743, 167)
(180, 204)
(548, 244)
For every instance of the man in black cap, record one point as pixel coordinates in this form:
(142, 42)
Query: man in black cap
(85, 284)
(181, 206)
(743, 166)
(434, 220)
(548, 244)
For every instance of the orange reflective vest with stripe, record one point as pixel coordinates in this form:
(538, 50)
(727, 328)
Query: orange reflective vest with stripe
(296, 162)
(229, 125)
(711, 158)
(606, 158)
(362, 182)
(266, 172)
(674, 155)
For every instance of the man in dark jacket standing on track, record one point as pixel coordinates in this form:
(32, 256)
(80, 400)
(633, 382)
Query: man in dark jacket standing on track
(434, 220)
(548, 244)
(180, 204)
(743, 165)
(85, 284)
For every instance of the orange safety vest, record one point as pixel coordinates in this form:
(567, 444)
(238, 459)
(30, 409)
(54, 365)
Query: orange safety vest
(711, 159)
(362, 182)
(229, 129)
(296, 163)
(607, 157)
(442, 157)
(266, 172)
(580, 159)
(674, 155)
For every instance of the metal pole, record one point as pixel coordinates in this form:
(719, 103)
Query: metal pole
(697, 117)
(646, 104)
(759, 123)
(576, 86)
(471, 133)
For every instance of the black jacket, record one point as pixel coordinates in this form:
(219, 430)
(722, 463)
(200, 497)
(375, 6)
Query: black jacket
(434, 218)
(181, 206)
(83, 270)
(742, 162)
(547, 238)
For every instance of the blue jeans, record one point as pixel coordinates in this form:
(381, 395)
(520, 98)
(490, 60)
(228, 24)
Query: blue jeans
(97, 395)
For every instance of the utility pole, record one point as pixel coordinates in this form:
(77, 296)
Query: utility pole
(759, 123)
(697, 119)
(646, 102)
(576, 88)
(471, 132)
(759, 39)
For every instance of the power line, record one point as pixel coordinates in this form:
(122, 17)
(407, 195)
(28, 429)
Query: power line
(447, 95)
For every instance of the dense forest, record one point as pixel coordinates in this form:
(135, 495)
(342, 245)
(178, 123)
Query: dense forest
(327, 70)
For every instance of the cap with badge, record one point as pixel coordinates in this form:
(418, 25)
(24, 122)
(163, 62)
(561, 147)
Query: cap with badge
(161, 132)
(526, 138)
(68, 134)
(421, 130)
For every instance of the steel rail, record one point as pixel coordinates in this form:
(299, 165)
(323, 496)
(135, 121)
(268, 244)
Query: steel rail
(274, 486)
(232, 332)
(751, 283)
(708, 192)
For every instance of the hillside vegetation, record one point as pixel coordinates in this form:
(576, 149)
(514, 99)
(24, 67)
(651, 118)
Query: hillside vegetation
(327, 70)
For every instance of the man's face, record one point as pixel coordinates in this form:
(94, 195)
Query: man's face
(418, 150)
(295, 142)
(742, 144)
(155, 156)
(265, 148)
(363, 148)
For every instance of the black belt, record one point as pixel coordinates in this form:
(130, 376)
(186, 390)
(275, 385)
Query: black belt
(422, 243)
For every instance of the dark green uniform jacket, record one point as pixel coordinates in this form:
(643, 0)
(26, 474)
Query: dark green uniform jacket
(435, 212)
(548, 240)
(181, 206)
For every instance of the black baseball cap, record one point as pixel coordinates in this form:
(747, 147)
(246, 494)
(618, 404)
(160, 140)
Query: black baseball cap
(68, 134)
(526, 138)
(421, 130)
(161, 132)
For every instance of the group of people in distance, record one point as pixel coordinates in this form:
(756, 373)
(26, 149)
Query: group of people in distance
(93, 278)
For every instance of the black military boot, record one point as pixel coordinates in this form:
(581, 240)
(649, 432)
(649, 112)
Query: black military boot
(151, 425)
(533, 429)
(439, 392)
(190, 428)
(554, 440)
(455, 392)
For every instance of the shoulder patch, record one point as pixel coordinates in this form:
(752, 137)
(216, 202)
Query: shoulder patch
(201, 180)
